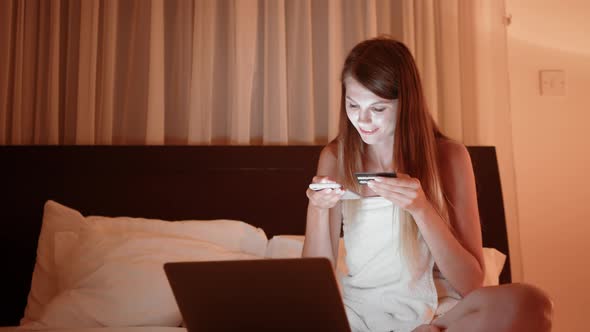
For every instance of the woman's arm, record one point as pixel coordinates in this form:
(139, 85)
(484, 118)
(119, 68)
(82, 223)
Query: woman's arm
(459, 256)
(322, 231)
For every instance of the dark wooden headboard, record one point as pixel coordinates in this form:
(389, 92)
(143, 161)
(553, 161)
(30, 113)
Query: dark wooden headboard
(262, 185)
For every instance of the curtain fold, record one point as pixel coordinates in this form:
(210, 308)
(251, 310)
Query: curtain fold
(300, 123)
(105, 102)
(6, 75)
(86, 110)
(69, 69)
(49, 119)
(336, 57)
(156, 98)
(15, 121)
(274, 107)
(203, 54)
(245, 21)
(178, 63)
(448, 66)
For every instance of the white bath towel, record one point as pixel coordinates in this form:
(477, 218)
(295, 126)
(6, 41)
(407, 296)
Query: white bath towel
(380, 292)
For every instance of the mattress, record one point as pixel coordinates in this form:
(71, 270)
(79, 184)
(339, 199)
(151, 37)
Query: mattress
(103, 329)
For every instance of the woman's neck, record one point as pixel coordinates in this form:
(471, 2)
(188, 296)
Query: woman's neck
(380, 157)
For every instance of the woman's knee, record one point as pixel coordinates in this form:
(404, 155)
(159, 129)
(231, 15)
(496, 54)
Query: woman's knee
(512, 307)
(528, 307)
(534, 302)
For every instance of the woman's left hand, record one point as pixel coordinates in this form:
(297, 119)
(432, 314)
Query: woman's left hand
(403, 191)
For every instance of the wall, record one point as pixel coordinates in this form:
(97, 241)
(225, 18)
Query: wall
(551, 136)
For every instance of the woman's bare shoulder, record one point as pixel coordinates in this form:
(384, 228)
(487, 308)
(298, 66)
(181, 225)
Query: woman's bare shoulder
(450, 150)
(328, 163)
(453, 156)
(330, 151)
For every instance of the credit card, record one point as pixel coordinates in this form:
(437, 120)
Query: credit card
(364, 177)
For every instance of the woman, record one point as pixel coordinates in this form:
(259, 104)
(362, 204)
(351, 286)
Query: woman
(414, 247)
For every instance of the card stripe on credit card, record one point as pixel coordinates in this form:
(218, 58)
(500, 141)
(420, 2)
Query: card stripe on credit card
(363, 177)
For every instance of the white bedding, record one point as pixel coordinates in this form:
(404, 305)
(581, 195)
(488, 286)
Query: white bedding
(103, 329)
(120, 280)
(96, 275)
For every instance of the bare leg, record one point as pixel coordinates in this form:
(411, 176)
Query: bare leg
(505, 308)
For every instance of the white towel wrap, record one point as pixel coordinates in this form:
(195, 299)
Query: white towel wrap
(380, 293)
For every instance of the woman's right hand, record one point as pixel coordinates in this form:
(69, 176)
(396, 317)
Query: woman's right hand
(325, 198)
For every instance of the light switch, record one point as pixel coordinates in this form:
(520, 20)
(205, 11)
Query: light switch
(552, 82)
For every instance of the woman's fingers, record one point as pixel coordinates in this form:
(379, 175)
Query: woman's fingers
(405, 192)
(398, 199)
(322, 179)
(381, 187)
(326, 198)
(403, 180)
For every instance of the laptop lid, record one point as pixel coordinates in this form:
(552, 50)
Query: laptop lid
(297, 294)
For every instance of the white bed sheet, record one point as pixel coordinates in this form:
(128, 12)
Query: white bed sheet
(103, 329)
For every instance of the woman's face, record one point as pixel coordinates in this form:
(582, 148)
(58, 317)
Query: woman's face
(372, 116)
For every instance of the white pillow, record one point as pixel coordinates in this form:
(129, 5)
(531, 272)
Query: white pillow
(494, 263)
(291, 246)
(230, 234)
(56, 218)
(115, 279)
(286, 246)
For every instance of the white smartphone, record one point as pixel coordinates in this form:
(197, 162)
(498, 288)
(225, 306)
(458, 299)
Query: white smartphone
(321, 186)
(347, 194)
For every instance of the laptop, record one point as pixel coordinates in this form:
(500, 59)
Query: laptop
(294, 294)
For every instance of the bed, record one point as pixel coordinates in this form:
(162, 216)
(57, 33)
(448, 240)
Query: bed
(261, 186)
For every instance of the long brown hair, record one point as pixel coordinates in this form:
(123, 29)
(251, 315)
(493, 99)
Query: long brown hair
(386, 67)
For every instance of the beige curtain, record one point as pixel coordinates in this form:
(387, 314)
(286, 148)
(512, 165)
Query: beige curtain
(241, 71)
(460, 47)
(178, 71)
